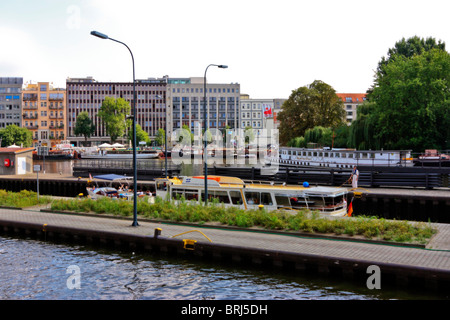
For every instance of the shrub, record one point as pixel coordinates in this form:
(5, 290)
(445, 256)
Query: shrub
(369, 227)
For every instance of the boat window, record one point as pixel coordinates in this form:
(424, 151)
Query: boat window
(177, 194)
(191, 195)
(350, 155)
(337, 155)
(315, 202)
(221, 196)
(252, 197)
(326, 154)
(161, 185)
(236, 197)
(282, 201)
(364, 155)
(266, 198)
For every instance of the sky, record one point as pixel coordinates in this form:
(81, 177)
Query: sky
(271, 47)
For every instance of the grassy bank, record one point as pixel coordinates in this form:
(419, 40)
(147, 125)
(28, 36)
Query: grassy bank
(22, 199)
(304, 221)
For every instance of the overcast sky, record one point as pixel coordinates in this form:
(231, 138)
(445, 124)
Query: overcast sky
(271, 47)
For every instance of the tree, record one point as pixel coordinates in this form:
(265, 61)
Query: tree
(361, 134)
(314, 105)
(249, 134)
(141, 135)
(411, 102)
(13, 134)
(113, 114)
(160, 137)
(84, 126)
(409, 48)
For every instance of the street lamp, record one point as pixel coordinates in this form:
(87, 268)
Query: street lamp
(205, 151)
(104, 36)
(165, 133)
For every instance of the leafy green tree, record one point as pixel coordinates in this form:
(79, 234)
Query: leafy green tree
(141, 135)
(411, 102)
(409, 48)
(13, 134)
(249, 134)
(113, 113)
(314, 105)
(84, 126)
(362, 132)
(160, 137)
(340, 136)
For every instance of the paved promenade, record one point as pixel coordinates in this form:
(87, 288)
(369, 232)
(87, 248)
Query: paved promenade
(436, 256)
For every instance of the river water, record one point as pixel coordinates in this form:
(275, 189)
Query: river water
(38, 270)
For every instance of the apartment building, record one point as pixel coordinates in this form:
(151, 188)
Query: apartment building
(44, 113)
(87, 94)
(351, 103)
(10, 101)
(187, 96)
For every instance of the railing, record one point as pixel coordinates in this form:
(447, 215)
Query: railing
(368, 177)
(25, 116)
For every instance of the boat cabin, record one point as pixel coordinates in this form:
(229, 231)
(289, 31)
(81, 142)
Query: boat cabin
(231, 191)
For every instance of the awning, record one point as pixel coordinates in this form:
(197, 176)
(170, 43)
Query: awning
(112, 177)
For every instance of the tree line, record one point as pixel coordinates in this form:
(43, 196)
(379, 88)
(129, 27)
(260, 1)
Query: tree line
(407, 107)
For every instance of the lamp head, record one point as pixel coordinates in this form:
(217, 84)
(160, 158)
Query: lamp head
(222, 66)
(99, 35)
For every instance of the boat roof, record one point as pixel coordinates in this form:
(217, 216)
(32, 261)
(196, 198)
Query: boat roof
(224, 181)
(112, 177)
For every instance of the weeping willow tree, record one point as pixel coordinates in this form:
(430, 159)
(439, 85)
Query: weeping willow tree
(323, 137)
(362, 131)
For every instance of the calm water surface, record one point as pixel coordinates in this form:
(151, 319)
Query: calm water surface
(37, 270)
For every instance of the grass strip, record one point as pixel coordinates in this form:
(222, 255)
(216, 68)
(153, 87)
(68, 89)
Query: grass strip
(304, 221)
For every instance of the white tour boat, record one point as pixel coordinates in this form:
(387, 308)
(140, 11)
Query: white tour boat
(339, 158)
(231, 191)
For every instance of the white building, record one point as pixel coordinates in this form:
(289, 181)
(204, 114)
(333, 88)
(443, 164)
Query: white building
(259, 113)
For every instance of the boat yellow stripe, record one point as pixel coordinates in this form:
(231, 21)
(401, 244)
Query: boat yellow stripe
(243, 199)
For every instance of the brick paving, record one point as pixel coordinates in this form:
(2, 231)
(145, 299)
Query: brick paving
(436, 255)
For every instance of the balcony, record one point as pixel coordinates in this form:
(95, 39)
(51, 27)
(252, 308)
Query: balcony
(30, 107)
(32, 127)
(61, 126)
(30, 116)
(56, 97)
(56, 117)
(30, 97)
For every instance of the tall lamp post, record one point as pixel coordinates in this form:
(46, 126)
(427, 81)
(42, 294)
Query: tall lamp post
(205, 151)
(165, 133)
(104, 36)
